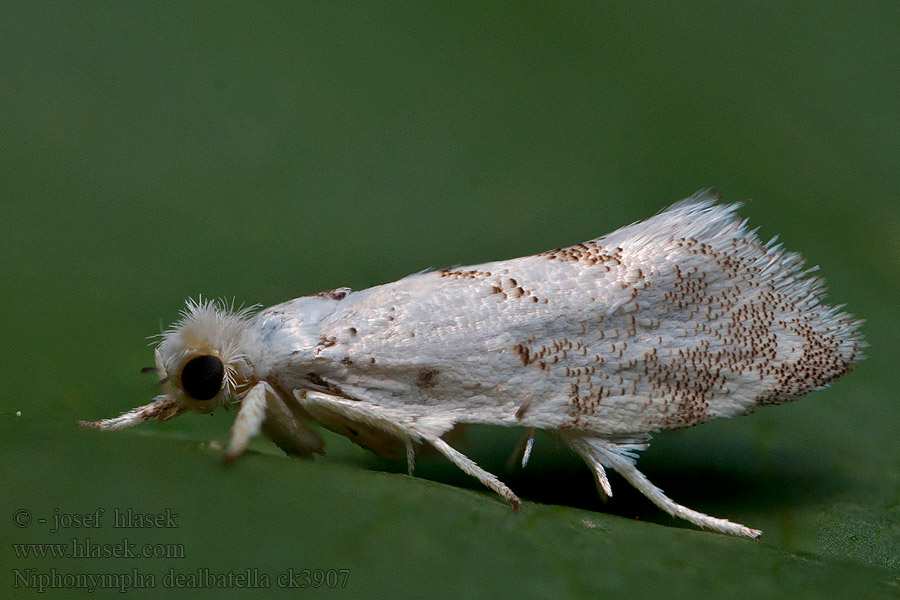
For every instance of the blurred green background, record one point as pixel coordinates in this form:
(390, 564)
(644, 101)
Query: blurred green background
(263, 151)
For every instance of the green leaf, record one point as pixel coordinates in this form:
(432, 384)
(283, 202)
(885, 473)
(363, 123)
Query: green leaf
(263, 152)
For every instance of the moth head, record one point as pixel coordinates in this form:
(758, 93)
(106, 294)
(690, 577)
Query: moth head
(204, 361)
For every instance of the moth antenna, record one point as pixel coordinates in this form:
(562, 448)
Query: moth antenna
(162, 408)
(155, 370)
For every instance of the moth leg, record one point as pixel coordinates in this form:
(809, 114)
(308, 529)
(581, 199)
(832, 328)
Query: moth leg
(622, 457)
(585, 450)
(288, 432)
(248, 422)
(406, 428)
(470, 467)
(525, 445)
(526, 454)
(410, 457)
(383, 428)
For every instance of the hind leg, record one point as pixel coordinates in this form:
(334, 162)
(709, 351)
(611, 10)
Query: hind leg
(621, 456)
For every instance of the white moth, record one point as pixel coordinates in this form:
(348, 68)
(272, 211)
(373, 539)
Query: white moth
(666, 323)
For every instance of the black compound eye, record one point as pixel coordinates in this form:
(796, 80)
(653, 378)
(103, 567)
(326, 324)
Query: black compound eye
(201, 377)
